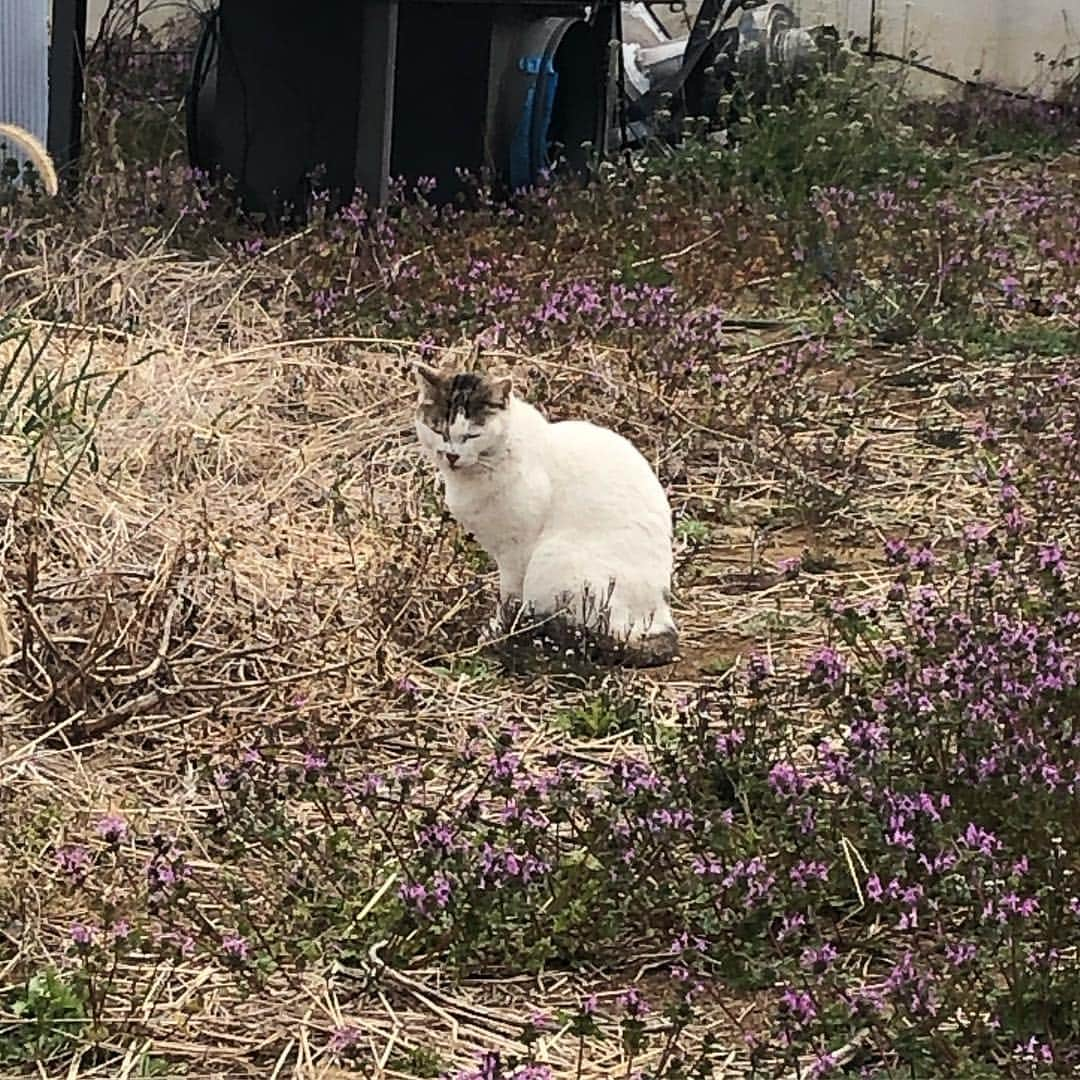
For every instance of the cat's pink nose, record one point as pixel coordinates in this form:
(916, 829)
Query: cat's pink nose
(452, 459)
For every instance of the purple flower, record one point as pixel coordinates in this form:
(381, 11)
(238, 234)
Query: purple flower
(414, 894)
(407, 688)
(798, 1005)
(1035, 1051)
(897, 552)
(82, 935)
(441, 890)
(1052, 559)
(540, 1021)
(489, 1067)
(803, 872)
(785, 779)
(73, 861)
(235, 947)
(790, 567)
(113, 828)
(791, 926)
(961, 954)
(314, 761)
(633, 1003)
(343, 1038)
(923, 559)
(978, 839)
(823, 1065)
(819, 960)
(826, 667)
(759, 668)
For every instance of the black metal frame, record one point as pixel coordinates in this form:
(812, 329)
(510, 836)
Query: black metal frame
(377, 72)
(377, 65)
(67, 62)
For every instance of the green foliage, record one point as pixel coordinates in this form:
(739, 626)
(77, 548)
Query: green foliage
(49, 1014)
(49, 409)
(150, 1066)
(420, 1062)
(842, 129)
(1029, 337)
(692, 531)
(609, 711)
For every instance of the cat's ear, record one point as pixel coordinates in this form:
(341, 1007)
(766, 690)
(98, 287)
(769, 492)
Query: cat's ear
(499, 390)
(429, 381)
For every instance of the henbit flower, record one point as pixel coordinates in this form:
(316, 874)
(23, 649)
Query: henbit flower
(789, 567)
(235, 947)
(532, 1072)
(113, 828)
(960, 954)
(1010, 286)
(826, 666)
(407, 687)
(897, 552)
(819, 960)
(314, 761)
(799, 1005)
(343, 1038)
(786, 780)
(82, 935)
(790, 926)
(73, 860)
(1035, 1051)
(634, 1004)
(1052, 559)
(823, 1065)
(541, 1020)
(923, 559)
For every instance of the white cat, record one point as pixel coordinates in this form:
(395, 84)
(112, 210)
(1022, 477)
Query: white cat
(571, 512)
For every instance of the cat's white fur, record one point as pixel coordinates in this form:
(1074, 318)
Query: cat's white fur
(567, 510)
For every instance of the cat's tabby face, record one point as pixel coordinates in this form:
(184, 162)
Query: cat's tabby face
(461, 418)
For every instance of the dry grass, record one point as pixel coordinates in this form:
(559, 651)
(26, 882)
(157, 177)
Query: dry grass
(259, 554)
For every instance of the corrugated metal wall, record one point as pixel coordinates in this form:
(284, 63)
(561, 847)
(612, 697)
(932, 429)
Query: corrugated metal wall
(24, 65)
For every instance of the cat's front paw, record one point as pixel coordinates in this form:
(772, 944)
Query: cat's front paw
(503, 623)
(492, 632)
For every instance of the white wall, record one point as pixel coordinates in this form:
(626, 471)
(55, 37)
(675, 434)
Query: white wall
(152, 13)
(997, 37)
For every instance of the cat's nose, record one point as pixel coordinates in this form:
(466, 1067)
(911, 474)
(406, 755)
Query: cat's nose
(452, 459)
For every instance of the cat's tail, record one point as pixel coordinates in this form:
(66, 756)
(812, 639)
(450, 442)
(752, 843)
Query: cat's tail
(32, 146)
(653, 650)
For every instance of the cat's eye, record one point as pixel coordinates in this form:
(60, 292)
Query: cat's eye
(466, 438)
